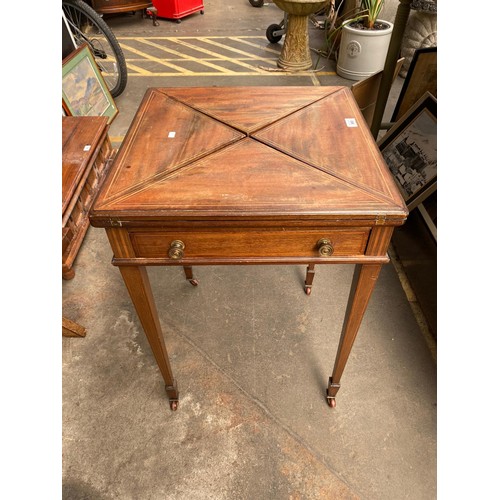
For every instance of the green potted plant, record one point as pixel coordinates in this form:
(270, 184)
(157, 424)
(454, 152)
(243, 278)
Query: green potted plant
(364, 41)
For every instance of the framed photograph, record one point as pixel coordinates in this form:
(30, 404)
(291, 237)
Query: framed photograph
(410, 150)
(421, 78)
(84, 92)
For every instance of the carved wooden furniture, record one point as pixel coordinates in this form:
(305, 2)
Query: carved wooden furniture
(119, 6)
(86, 149)
(248, 175)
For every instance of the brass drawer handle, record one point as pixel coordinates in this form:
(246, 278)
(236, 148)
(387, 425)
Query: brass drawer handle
(325, 247)
(176, 250)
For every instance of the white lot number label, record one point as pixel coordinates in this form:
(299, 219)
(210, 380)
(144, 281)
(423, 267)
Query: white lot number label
(351, 122)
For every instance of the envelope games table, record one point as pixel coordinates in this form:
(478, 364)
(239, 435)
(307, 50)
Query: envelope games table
(248, 175)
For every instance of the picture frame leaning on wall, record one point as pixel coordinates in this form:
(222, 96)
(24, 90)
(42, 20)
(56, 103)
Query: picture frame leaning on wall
(410, 150)
(421, 78)
(84, 91)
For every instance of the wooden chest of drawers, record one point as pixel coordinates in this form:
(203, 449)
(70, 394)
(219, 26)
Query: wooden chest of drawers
(86, 150)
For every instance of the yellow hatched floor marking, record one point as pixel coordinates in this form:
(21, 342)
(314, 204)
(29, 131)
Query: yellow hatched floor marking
(231, 49)
(204, 62)
(212, 59)
(150, 57)
(140, 71)
(237, 73)
(187, 37)
(215, 54)
(315, 80)
(256, 45)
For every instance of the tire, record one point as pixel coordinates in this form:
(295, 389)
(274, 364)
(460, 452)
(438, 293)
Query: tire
(87, 26)
(256, 3)
(269, 33)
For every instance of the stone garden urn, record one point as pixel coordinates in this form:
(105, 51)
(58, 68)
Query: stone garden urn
(295, 54)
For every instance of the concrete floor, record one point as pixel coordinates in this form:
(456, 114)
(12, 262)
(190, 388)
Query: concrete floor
(251, 352)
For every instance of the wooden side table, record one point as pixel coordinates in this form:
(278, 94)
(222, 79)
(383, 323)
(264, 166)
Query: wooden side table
(86, 151)
(249, 175)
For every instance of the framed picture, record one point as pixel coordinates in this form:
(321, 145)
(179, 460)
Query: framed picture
(410, 150)
(421, 78)
(84, 92)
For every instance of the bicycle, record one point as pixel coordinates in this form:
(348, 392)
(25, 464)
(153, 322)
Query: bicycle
(87, 26)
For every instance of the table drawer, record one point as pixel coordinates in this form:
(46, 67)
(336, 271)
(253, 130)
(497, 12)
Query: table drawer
(249, 243)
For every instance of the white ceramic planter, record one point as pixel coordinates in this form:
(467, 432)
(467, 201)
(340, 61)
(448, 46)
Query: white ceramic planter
(362, 53)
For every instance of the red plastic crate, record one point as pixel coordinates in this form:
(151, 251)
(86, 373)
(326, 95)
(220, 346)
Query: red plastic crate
(176, 9)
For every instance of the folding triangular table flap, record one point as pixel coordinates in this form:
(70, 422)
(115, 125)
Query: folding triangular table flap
(237, 180)
(249, 108)
(340, 146)
(165, 136)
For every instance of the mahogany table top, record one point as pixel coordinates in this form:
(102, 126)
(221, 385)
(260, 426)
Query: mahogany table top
(249, 153)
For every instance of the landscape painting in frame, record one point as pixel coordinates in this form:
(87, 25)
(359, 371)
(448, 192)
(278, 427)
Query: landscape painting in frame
(83, 89)
(410, 150)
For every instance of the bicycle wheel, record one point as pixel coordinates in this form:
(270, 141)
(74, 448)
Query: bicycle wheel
(87, 26)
